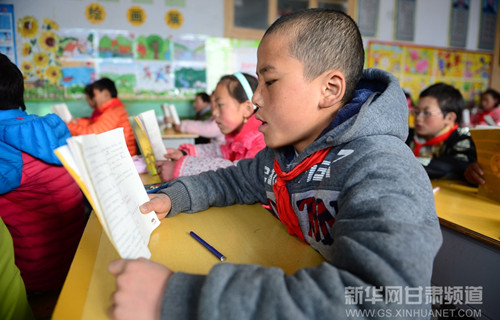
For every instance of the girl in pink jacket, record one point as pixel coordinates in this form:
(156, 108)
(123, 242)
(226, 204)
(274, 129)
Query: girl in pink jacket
(233, 114)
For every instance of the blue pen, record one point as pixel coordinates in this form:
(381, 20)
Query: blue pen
(216, 253)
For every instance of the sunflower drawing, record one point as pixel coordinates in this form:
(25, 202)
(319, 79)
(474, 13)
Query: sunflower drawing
(27, 27)
(50, 24)
(41, 59)
(27, 66)
(53, 74)
(49, 41)
(26, 50)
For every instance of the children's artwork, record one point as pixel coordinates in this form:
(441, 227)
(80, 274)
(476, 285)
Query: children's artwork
(77, 74)
(39, 58)
(190, 77)
(189, 48)
(418, 67)
(245, 55)
(123, 73)
(116, 44)
(154, 76)
(76, 44)
(153, 47)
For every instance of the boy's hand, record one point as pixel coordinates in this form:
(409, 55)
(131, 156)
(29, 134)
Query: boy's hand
(474, 174)
(165, 169)
(140, 285)
(159, 202)
(173, 154)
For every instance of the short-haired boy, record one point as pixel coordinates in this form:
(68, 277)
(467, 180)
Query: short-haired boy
(352, 190)
(444, 149)
(109, 113)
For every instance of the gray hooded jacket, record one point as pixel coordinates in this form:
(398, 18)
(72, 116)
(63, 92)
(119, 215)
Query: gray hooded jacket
(376, 223)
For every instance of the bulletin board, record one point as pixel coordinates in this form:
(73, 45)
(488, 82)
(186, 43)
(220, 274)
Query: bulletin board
(418, 67)
(58, 63)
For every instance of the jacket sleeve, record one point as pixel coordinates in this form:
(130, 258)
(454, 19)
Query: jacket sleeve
(108, 120)
(206, 128)
(453, 162)
(189, 165)
(386, 235)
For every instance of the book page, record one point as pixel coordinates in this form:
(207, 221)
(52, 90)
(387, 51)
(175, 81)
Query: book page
(150, 125)
(62, 111)
(175, 115)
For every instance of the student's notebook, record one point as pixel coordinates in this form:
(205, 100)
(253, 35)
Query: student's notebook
(103, 168)
(62, 111)
(487, 141)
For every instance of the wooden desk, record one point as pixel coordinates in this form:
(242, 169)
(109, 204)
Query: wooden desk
(470, 254)
(173, 139)
(244, 234)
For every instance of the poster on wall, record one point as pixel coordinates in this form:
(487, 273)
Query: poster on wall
(190, 76)
(189, 48)
(418, 67)
(123, 73)
(405, 20)
(76, 74)
(153, 47)
(368, 17)
(7, 32)
(115, 44)
(154, 79)
(489, 14)
(459, 23)
(77, 44)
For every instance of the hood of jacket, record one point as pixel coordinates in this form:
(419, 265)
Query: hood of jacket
(31, 134)
(378, 107)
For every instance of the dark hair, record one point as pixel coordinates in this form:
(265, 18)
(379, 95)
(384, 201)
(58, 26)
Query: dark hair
(204, 96)
(236, 89)
(89, 90)
(493, 93)
(11, 85)
(449, 99)
(324, 40)
(106, 84)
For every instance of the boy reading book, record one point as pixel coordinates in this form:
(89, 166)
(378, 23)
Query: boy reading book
(336, 172)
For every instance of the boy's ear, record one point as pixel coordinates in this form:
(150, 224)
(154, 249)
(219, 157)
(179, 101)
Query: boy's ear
(450, 118)
(333, 88)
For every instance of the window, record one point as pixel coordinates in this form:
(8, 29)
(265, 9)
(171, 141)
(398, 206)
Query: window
(248, 19)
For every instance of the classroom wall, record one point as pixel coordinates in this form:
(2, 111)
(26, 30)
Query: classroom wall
(203, 17)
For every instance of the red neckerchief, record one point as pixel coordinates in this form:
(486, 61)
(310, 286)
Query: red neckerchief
(434, 141)
(96, 113)
(283, 204)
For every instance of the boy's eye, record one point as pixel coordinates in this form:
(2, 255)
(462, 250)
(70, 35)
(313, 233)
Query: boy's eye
(268, 83)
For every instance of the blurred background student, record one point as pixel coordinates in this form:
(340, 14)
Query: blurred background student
(489, 107)
(444, 149)
(41, 204)
(203, 123)
(234, 114)
(13, 299)
(109, 113)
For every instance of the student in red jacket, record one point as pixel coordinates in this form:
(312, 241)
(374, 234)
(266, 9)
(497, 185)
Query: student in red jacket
(109, 114)
(41, 204)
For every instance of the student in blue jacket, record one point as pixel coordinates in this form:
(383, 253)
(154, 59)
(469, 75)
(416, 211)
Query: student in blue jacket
(336, 171)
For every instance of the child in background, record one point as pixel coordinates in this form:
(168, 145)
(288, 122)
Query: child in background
(489, 107)
(336, 172)
(13, 300)
(109, 114)
(41, 204)
(444, 149)
(203, 124)
(233, 113)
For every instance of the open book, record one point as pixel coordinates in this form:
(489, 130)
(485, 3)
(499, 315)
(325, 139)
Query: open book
(147, 121)
(62, 111)
(103, 168)
(170, 111)
(487, 142)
